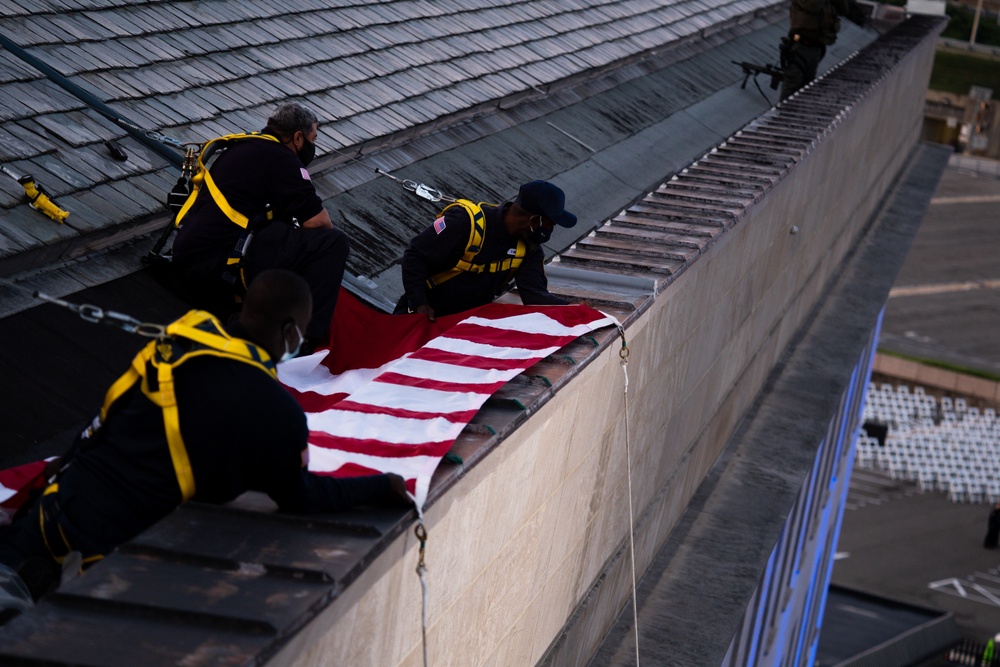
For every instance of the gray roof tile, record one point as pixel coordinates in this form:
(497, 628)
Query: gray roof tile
(102, 168)
(118, 22)
(137, 197)
(31, 228)
(11, 107)
(107, 86)
(54, 163)
(195, 70)
(73, 127)
(75, 58)
(99, 207)
(154, 185)
(24, 31)
(11, 193)
(156, 47)
(26, 132)
(12, 69)
(13, 147)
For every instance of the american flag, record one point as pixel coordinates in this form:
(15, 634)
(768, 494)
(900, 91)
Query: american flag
(395, 391)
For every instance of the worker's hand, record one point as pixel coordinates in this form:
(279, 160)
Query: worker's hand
(398, 485)
(426, 310)
(319, 221)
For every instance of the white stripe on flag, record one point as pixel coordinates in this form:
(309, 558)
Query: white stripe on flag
(459, 346)
(385, 428)
(323, 459)
(389, 395)
(434, 370)
(320, 381)
(420, 468)
(6, 494)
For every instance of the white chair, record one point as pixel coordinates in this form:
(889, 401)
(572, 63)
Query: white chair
(926, 479)
(957, 491)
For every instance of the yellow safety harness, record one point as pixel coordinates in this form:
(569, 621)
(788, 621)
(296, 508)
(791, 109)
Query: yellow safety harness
(203, 176)
(477, 232)
(234, 263)
(195, 334)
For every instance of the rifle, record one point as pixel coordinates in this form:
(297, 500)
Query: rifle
(751, 69)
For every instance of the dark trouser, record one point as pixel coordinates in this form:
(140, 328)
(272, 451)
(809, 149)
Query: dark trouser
(992, 531)
(23, 550)
(800, 68)
(318, 255)
(37, 542)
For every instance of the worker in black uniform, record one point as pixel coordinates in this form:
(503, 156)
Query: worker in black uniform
(199, 415)
(472, 251)
(264, 179)
(814, 25)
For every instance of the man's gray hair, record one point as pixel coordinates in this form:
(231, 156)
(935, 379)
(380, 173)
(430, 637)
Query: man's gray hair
(290, 118)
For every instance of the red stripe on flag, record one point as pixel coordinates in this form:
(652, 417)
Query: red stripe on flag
(470, 360)
(478, 333)
(313, 402)
(378, 447)
(348, 470)
(439, 385)
(22, 479)
(366, 408)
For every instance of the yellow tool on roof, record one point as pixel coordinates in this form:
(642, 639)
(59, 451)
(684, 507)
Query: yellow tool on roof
(37, 197)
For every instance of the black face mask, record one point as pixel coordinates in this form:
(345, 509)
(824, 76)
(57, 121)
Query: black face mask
(540, 235)
(307, 152)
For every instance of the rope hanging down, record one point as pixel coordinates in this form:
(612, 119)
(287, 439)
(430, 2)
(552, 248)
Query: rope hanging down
(420, 530)
(623, 354)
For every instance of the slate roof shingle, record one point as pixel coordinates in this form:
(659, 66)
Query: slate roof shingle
(193, 71)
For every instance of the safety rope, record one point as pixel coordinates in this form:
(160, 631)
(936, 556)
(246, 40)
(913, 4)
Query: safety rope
(422, 190)
(623, 354)
(95, 314)
(421, 533)
(156, 141)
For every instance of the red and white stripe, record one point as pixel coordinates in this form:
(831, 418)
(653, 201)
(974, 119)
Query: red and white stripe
(16, 484)
(404, 415)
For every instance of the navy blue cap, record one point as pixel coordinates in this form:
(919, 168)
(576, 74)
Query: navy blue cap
(543, 198)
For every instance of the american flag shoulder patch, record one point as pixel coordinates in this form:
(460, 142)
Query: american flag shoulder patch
(439, 225)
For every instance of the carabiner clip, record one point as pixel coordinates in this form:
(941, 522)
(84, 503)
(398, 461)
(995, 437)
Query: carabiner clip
(428, 193)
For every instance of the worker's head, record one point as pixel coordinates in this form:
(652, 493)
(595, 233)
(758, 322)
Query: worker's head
(296, 127)
(276, 310)
(539, 207)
